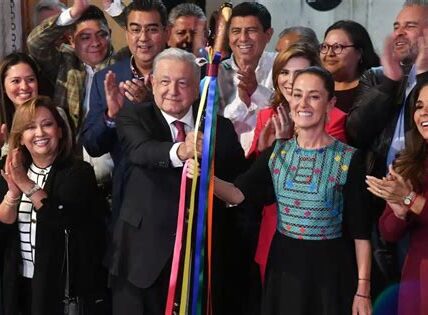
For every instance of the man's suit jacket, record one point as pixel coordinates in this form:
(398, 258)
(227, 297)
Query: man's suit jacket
(97, 137)
(144, 235)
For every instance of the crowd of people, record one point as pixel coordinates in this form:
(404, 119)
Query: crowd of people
(320, 162)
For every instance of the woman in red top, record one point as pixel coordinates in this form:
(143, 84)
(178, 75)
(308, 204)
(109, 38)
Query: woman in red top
(296, 57)
(406, 191)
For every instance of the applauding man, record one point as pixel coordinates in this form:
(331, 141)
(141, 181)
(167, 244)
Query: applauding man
(245, 80)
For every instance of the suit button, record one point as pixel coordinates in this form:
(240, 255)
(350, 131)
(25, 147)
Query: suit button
(60, 207)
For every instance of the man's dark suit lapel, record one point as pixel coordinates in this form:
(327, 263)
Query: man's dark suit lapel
(162, 128)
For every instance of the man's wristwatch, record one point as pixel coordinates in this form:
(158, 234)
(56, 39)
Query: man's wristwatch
(409, 199)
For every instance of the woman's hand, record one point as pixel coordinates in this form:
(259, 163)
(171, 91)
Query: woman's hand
(6, 173)
(17, 170)
(3, 134)
(400, 210)
(361, 306)
(279, 126)
(392, 188)
(192, 168)
(267, 136)
(283, 124)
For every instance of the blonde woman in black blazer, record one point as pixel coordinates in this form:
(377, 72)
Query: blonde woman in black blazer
(45, 192)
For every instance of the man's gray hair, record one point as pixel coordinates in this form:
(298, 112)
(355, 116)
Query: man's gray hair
(46, 5)
(186, 9)
(179, 55)
(306, 34)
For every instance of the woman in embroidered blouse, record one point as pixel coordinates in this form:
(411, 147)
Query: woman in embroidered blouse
(296, 57)
(318, 185)
(45, 192)
(405, 190)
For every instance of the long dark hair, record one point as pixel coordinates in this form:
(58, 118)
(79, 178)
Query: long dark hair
(7, 108)
(410, 162)
(361, 39)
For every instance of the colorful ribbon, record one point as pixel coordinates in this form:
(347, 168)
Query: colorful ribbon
(192, 289)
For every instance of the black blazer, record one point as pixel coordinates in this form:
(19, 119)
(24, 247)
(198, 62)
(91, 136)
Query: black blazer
(144, 235)
(73, 202)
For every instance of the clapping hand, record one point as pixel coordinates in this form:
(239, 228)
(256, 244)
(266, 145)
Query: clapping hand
(14, 172)
(3, 134)
(284, 127)
(115, 94)
(279, 126)
(247, 83)
(135, 90)
(392, 188)
(421, 62)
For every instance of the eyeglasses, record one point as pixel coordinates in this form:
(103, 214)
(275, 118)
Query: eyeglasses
(149, 30)
(336, 48)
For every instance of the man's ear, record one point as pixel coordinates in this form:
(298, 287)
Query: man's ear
(269, 33)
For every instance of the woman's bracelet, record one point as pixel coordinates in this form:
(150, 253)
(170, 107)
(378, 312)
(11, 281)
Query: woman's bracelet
(10, 203)
(363, 296)
(32, 191)
(8, 195)
(363, 279)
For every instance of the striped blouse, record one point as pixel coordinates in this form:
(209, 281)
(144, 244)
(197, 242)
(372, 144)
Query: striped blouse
(27, 222)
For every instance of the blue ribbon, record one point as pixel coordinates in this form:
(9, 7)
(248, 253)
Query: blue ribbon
(207, 156)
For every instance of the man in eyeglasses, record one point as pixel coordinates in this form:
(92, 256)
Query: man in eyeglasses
(146, 35)
(381, 114)
(187, 23)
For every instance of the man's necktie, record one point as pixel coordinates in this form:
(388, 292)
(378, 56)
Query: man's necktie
(181, 133)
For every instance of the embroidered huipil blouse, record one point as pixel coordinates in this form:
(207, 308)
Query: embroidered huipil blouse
(308, 186)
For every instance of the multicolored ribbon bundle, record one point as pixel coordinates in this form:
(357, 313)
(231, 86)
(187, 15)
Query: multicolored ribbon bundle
(189, 291)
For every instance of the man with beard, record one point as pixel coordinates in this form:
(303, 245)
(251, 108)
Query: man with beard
(381, 115)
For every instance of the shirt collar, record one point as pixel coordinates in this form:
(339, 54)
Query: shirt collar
(89, 69)
(187, 119)
(235, 67)
(134, 70)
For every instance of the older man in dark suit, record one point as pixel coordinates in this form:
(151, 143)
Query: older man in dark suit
(153, 138)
